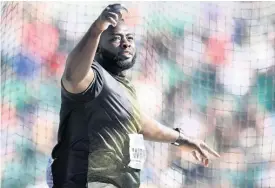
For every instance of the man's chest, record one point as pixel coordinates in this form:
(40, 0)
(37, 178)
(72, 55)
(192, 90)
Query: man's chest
(120, 99)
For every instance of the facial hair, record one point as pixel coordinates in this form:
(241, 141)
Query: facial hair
(112, 63)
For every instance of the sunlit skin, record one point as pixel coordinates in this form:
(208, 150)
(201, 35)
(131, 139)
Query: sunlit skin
(110, 36)
(119, 41)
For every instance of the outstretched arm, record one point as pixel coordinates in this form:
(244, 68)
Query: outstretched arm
(78, 73)
(154, 131)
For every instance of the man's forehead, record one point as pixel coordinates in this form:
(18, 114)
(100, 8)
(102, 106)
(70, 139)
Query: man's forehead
(120, 29)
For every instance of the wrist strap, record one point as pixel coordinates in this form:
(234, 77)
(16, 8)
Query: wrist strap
(180, 140)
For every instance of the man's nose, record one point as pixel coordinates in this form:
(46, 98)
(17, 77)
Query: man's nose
(125, 44)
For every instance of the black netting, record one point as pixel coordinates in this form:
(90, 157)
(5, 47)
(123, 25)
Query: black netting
(205, 67)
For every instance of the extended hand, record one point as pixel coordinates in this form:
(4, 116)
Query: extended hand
(110, 16)
(199, 149)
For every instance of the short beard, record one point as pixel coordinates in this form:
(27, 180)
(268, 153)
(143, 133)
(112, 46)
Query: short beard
(112, 63)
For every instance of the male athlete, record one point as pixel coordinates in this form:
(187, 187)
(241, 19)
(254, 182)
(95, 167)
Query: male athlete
(101, 131)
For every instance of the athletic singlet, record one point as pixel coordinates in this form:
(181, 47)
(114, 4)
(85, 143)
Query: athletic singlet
(93, 141)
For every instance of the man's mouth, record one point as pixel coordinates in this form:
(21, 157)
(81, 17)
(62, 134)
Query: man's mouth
(126, 52)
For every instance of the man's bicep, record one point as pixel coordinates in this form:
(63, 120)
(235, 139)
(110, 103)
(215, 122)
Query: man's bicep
(76, 88)
(87, 91)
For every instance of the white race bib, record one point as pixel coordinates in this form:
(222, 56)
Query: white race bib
(137, 151)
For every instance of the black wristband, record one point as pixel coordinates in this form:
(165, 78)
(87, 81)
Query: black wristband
(181, 139)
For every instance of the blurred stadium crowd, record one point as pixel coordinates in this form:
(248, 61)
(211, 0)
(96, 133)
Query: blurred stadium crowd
(205, 67)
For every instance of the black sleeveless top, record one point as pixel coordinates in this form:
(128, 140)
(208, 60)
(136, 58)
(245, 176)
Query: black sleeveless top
(93, 141)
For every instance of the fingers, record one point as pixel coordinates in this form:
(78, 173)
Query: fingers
(206, 162)
(194, 153)
(201, 149)
(209, 150)
(112, 21)
(203, 156)
(199, 158)
(109, 16)
(112, 15)
(112, 18)
(202, 152)
(117, 8)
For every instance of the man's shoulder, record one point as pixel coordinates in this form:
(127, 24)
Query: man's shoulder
(91, 92)
(100, 69)
(96, 65)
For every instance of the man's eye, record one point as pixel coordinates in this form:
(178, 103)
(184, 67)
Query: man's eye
(130, 38)
(116, 38)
